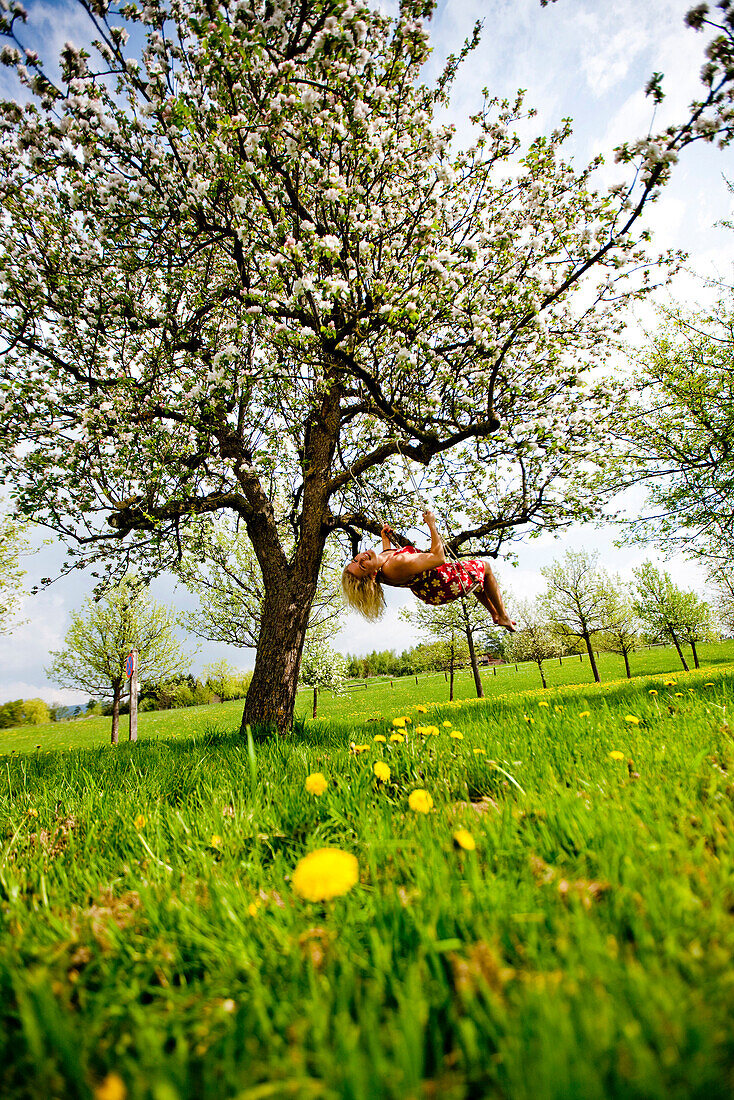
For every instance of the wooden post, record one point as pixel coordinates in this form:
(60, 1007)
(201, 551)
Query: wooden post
(134, 698)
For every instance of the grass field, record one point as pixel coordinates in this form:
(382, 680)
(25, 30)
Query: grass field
(378, 696)
(155, 943)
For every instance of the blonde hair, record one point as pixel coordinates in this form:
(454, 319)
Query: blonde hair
(363, 594)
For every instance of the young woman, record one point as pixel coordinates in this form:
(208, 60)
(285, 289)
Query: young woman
(426, 573)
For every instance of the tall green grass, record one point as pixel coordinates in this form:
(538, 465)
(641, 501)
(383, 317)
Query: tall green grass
(152, 940)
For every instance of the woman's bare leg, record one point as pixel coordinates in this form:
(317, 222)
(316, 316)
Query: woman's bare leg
(490, 597)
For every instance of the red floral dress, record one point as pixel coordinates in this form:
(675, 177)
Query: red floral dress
(447, 582)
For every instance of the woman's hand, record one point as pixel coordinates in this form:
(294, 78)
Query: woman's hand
(429, 518)
(386, 530)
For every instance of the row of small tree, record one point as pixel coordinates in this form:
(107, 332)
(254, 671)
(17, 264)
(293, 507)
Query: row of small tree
(584, 608)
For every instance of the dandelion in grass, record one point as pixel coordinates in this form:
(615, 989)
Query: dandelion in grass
(408, 721)
(421, 709)
(396, 738)
(679, 694)
(215, 841)
(464, 839)
(324, 874)
(480, 752)
(358, 749)
(543, 703)
(632, 719)
(652, 691)
(447, 725)
(399, 723)
(382, 771)
(112, 1088)
(420, 801)
(139, 821)
(670, 683)
(584, 713)
(457, 735)
(380, 738)
(615, 754)
(316, 783)
(254, 907)
(710, 684)
(32, 812)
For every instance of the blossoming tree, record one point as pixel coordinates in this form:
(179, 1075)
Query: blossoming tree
(243, 264)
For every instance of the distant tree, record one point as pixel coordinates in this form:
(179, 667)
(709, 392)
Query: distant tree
(577, 602)
(721, 581)
(11, 574)
(446, 627)
(11, 714)
(35, 712)
(102, 634)
(225, 680)
(623, 634)
(321, 666)
(534, 640)
(666, 611)
(448, 624)
(697, 623)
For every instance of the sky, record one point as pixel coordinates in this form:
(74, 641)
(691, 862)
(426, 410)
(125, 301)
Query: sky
(582, 59)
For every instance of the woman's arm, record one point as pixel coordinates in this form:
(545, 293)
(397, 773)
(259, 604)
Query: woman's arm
(385, 534)
(401, 569)
(437, 549)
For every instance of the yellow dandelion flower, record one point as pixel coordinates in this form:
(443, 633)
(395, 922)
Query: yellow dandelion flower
(464, 839)
(710, 684)
(112, 1088)
(316, 783)
(216, 841)
(357, 749)
(382, 771)
(396, 738)
(615, 754)
(679, 694)
(447, 725)
(399, 723)
(420, 801)
(584, 713)
(254, 907)
(421, 709)
(670, 683)
(380, 738)
(139, 821)
(457, 734)
(408, 721)
(480, 752)
(652, 691)
(325, 873)
(632, 719)
(528, 719)
(543, 703)
(32, 812)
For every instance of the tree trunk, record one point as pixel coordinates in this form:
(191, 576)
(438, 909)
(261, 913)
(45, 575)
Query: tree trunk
(592, 659)
(540, 670)
(116, 692)
(315, 699)
(627, 664)
(695, 655)
(677, 646)
(472, 653)
(271, 696)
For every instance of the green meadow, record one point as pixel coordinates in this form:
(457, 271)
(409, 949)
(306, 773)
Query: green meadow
(377, 696)
(557, 924)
